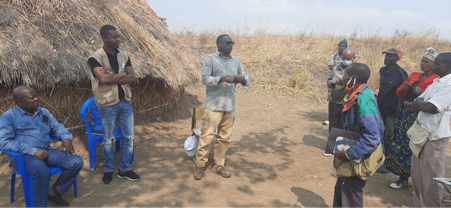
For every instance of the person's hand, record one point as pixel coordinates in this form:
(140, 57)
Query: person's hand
(228, 79)
(417, 90)
(67, 145)
(239, 79)
(342, 156)
(41, 154)
(406, 86)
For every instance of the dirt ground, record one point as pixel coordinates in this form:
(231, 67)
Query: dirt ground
(275, 159)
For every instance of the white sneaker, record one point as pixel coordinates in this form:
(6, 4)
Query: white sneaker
(398, 184)
(326, 154)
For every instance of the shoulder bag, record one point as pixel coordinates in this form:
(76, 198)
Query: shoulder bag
(418, 136)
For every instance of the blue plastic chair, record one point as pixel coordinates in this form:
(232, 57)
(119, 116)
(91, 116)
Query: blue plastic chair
(27, 180)
(94, 131)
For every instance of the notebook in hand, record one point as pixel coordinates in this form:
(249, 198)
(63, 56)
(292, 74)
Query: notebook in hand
(334, 133)
(342, 144)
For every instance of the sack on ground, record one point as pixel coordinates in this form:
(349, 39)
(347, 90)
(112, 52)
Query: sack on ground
(363, 170)
(418, 137)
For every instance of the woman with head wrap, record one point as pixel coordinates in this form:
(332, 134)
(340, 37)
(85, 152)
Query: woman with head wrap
(398, 155)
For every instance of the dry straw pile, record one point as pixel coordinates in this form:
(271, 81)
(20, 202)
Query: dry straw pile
(45, 44)
(296, 64)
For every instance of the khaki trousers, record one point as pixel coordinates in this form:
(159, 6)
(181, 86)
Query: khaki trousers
(212, 120)
(429, 164)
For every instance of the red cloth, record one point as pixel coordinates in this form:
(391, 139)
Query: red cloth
(399, 52)
(414, 77)
(351, 100)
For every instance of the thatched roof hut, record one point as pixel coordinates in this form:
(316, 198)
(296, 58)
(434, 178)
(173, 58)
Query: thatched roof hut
(45, 44)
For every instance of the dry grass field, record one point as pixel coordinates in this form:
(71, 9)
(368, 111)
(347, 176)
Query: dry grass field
(297, 64)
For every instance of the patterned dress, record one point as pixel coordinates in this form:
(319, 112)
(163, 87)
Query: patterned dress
(398, 157)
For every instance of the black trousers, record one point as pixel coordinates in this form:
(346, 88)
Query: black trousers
(349, 192)
(335, 111)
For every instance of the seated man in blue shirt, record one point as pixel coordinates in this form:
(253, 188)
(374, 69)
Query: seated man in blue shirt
(26, 129)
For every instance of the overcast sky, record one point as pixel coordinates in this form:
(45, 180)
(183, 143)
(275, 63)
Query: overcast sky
(294, 16)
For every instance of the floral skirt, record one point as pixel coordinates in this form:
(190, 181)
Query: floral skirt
(398, 157)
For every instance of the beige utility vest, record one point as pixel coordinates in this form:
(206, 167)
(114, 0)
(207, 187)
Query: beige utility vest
(107, 94)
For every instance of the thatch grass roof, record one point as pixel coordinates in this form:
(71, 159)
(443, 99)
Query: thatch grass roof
(47, 43)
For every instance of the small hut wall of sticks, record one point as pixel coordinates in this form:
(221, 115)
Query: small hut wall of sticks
(45, 44)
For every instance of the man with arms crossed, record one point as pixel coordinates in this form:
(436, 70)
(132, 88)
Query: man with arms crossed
(112, 72)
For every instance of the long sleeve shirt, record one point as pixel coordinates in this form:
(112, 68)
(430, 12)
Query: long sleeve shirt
(221, 96)
(24, 133)
(390, 81)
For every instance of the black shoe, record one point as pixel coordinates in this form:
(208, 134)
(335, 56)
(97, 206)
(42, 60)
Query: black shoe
(107, 178)
(130, 175)
(58, 200)
(198, 173)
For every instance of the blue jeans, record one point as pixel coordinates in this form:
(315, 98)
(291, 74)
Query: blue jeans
(121, 113)
(38, 168)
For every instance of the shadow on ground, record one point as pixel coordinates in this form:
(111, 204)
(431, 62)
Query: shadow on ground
(314, 141)
(251, 153)
(307, 198)
(316, 116)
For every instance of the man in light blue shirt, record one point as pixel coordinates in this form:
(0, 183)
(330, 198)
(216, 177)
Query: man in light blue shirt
(220, 74)
(26, 129)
